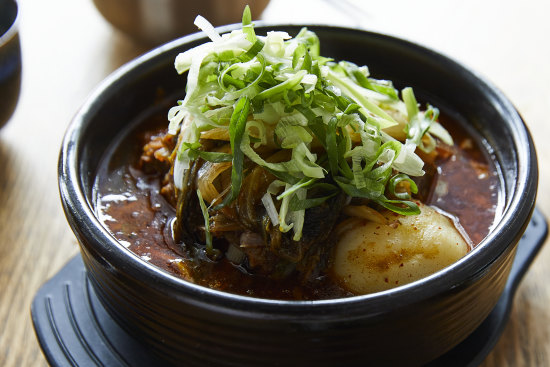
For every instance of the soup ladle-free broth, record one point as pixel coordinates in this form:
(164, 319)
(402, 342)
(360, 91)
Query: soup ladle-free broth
(464, 184)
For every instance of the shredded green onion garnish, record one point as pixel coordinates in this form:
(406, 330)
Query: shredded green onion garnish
(210, 250)
(236, 131)
(333, 118)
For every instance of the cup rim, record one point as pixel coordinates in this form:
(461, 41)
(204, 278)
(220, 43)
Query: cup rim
(514, 219)
(13, 28)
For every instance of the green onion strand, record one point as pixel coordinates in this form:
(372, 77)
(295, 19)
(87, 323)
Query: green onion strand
(237, 128)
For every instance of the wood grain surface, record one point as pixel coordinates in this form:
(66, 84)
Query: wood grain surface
(68, 48)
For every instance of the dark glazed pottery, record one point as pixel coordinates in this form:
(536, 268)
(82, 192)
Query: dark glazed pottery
(190, 325)
(10, 59)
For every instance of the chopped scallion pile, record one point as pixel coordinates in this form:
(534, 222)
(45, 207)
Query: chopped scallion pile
(333, 119)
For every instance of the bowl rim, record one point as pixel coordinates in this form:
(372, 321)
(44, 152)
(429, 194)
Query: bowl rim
(85, 224)
(13, 29)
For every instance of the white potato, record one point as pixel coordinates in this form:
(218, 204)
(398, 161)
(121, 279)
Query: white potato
(375, 257)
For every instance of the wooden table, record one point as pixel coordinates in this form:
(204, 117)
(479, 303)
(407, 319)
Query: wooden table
(68, 49)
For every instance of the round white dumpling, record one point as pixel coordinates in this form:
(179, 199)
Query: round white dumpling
(373, 257)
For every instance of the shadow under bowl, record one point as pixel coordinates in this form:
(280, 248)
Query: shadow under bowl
(409, 325)
(10, 59)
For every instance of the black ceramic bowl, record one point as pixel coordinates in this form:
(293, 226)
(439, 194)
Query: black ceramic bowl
(10, 59)
(193, 326)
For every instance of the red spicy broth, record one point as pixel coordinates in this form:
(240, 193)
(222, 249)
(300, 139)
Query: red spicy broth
(128, 203)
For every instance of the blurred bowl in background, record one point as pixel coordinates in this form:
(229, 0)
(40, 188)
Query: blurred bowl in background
(10, 59)
(155, 22)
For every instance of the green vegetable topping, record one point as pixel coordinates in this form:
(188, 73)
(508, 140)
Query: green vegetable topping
(236, 133)
(210, 250)
(343, 130)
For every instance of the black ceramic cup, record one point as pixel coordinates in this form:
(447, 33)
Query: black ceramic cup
(10, 59)
(186, 324)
